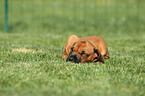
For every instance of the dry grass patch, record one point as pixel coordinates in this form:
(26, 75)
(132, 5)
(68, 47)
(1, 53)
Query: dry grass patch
(24, 50)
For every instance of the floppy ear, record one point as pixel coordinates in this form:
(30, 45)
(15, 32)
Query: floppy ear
(99, 56)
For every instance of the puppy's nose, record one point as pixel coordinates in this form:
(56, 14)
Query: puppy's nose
(71, 58)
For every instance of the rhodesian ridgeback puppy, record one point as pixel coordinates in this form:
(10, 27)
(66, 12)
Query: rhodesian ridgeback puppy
(86, 49)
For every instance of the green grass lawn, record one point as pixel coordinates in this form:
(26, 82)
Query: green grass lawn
(30, 63)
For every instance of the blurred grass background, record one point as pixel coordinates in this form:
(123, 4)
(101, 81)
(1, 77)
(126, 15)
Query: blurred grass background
(75, 16)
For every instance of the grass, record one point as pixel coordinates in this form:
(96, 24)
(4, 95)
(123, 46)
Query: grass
(30, 63)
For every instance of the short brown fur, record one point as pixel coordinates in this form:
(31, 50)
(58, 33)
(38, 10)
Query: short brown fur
(90, 45)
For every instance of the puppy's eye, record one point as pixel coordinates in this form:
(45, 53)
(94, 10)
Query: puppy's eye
(87, 55)
(72, 48)
(83, 52)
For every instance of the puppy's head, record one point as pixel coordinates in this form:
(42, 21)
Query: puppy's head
(84, 51)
